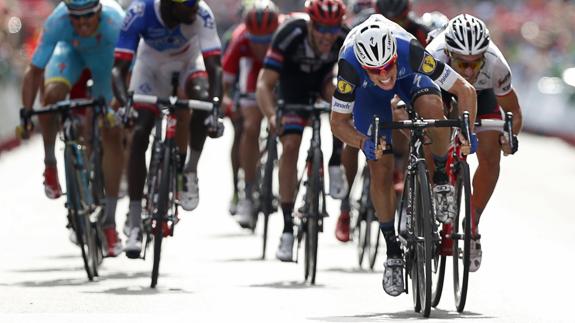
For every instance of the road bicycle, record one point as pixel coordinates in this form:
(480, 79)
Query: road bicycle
(309, 222)
(84, 207)
(161, 206)
(418, 229)
(456, 236)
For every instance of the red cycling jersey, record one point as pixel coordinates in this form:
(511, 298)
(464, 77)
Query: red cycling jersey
(239, 61)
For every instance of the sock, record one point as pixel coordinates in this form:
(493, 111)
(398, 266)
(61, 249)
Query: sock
(249, 189)
(110, 212)
(336, 148)
(192, 165)
(388, 230)
(181, 163)
(345, 205)
(440, 175)
(50, 156)
(287, 209)
(135, 214)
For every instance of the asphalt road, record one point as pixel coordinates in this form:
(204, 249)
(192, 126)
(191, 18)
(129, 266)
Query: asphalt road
(210, 270)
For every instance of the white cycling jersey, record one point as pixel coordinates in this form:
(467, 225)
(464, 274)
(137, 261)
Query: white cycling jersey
(494, 74)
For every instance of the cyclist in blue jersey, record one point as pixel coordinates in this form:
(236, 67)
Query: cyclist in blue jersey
(167, 36)
(379, 60)
(78, 35)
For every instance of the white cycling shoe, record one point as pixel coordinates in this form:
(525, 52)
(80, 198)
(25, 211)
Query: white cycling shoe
(189, 196)
(338, 185)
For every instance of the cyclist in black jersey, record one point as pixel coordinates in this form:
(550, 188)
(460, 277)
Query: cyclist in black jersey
(399, 11)
(300, 61)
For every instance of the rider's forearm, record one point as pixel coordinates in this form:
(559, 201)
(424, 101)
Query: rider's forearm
(265, 99)
(30, 85)
(466, 99)
(343, 129)
(119, 75)
(214, 69)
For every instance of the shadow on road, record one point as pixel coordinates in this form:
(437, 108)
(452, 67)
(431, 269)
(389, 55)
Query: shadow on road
(139, 290)
(66, 282)
(288, 285)
(47, 270)
(241, 259)
(351, 270)
(405, 315)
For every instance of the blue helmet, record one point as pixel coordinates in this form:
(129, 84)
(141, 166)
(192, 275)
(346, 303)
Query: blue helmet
(82, 6)
(189, 3)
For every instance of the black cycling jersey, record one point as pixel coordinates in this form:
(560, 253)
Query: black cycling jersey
(417, 29)
(302, 71)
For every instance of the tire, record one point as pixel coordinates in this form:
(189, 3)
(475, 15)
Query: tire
(267, 196)
(162, 212)
(361, 227)
(438, 277)
(423, 230)
(74, 205)
(462, 235)
(315, 214)
(373, 236)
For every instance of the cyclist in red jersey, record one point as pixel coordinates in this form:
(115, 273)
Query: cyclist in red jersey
(243, 60)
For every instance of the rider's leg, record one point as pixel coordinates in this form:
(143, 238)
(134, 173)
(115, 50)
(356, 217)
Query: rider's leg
(349, 161)
(249, 146)
(197, 88)
(487, 173)
(54, 91)
(288, 176)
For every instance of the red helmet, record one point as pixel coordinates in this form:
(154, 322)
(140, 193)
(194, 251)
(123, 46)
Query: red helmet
(325, 12)
(262, 18)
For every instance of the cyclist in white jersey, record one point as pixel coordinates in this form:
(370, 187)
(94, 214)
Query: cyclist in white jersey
(466, 46)
(168, 36)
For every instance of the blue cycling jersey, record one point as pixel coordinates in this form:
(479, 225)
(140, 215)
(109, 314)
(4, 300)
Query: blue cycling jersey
(58, 28)
(416, 72)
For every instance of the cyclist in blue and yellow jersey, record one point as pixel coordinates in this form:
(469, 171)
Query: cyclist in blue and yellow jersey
(78, 35)
(301, 59)
(466, 46)
(167, 36)
(379, 60)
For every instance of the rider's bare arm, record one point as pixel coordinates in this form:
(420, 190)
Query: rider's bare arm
(267, 81)
(510, 103)
(214, 69)
(119, 77)
(31, 83)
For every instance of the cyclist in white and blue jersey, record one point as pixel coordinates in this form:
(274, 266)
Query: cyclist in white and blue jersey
(380, 59)
(167, 36)
(78, 35)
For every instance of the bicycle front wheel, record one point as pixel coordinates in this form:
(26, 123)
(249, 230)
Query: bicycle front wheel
(78, 216)
(267, 196)
(314, 216)
(161, 213)
(462, 235)
(424, 243)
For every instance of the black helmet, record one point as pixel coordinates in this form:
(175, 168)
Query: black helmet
(392, 8)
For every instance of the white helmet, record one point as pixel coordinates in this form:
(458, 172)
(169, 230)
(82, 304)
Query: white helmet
(374, 45)
(467, 35)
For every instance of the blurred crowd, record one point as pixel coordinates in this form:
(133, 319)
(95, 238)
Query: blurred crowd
(536, 36)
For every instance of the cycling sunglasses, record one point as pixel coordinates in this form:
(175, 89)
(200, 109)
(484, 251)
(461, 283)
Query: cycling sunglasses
(326, 29)
(260, 39)
(85, 15)
(188, 3)
(386, 67)
(463, 64)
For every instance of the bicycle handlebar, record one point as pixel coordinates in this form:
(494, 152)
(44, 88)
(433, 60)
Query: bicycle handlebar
(64, 106)
(172, 101)
(294, 107)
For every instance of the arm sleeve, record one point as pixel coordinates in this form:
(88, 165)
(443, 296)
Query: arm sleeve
(279, 47)
(210, 42)
(347, 81)
(47, 44)
(421, 61)
(131, 29)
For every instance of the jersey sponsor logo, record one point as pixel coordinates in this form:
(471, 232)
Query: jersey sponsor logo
(444, 76)
(135, 11)
(344, 87)
(428, 65)
(506, 79)
(341, 106)
(207, 18)
(417, 80)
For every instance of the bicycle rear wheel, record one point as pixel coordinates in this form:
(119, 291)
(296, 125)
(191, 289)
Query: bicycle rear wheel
(361, 227)
(80, 221)
(438, 276)
(313, 218)
(462, 235)
(424, 243)
(373, 235)
(161, 213)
